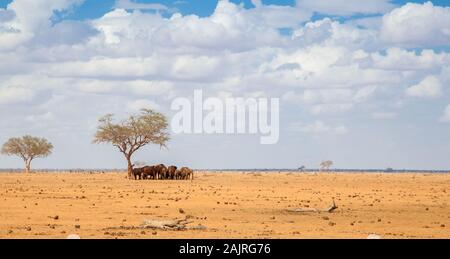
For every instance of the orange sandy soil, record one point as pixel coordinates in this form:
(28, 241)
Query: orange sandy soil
(229, 205)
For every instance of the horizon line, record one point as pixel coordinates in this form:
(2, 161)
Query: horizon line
(242, 169)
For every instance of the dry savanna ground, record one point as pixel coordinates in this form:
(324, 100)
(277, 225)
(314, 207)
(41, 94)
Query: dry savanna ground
(226, 205)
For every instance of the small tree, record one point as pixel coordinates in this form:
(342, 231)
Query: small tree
(28, 148)
(325, 165)
(148, 127)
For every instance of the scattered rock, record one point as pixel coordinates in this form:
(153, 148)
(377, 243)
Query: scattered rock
(308, 209)
(177, 224)
(198, 227)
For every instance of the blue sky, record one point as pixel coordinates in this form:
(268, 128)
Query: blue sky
(362, 83)
(91, 9)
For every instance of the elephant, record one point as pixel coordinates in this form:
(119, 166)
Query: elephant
(178, 174)
(161, 171)
(186, 173)
(149, 172)
(137, 173)
(171, 172)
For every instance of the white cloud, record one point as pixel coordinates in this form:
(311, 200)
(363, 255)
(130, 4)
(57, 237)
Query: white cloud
(430, 87)
(142, 87)
(331, 108)
(14, 94)
(334, 33)
(137, 87)
(319, 127)
(402, 59)
(446, 116)
(39, 118)
(417, 25)
(384, 115)
(373, 22)
(330, 101)
(229, 27)
(278, 16)
(346, 7)
(128, 59)
(129, 4)
(6, 15)
(29, 17)
(143, 104)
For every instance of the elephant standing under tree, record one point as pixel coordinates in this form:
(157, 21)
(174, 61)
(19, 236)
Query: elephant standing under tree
(130, 135)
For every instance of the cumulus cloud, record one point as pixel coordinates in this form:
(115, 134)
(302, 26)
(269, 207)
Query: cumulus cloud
(326, 65)
(27, 18)
(429, 87)
(402, 59)
(129, 58)
(335, 33)
(63, 33)
(417, 25)
(229, 27)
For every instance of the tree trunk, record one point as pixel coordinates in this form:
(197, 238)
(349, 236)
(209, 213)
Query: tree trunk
(27, 167)
(130, 167)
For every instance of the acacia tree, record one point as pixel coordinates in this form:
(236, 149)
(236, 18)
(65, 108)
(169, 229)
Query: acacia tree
(148, 127)
(325, 165)
(28, 148)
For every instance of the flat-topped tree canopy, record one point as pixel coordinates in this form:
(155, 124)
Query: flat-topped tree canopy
(148, 127)
(28, 148)
(325, 165)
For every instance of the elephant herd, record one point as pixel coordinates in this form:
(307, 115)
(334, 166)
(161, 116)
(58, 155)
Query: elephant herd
(161, 172)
